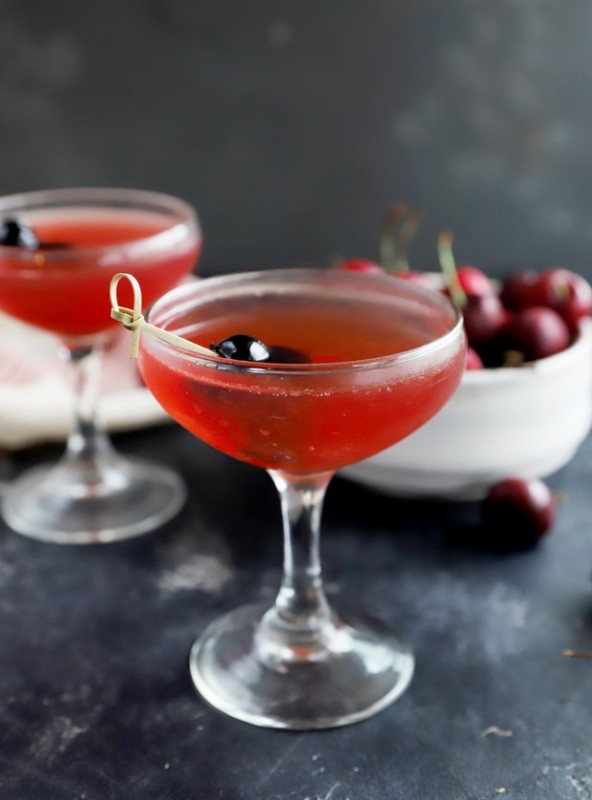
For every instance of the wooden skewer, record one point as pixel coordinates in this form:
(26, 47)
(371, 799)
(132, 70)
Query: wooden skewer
(133, 320)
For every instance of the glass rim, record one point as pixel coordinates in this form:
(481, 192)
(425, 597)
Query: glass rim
(176, 294)
(183, 216)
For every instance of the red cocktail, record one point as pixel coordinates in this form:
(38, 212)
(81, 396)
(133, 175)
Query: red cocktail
(63, 286)
(54, 274)
(305, 420)
(357, 363)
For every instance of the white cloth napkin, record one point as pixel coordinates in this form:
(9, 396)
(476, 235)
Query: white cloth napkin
(35, 390)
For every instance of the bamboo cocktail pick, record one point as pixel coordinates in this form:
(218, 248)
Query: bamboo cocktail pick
(133, 320)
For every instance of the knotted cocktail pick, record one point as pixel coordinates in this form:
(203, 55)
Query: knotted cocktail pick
(133, 320)
(239, 347)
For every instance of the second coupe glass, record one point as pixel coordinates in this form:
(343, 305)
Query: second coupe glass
(59, 253)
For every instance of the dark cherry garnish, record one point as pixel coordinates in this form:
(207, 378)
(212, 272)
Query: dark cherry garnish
(242, 347)
(287, 355)
(16, 234)
(53, 246)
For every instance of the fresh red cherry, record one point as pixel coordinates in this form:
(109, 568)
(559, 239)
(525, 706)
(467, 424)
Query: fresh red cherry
(537, 332)
(483, 313)
(484, 317)
(474, 360)
(471, 281)
(361, 265)
(474, 281)
(517, 290)
(517, 513)
(420, 278)
(566, 292)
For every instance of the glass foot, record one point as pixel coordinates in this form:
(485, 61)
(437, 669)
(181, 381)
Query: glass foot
(358, 674)
(117, 500)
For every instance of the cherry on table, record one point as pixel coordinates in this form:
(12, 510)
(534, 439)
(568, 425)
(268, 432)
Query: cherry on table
(517, 512)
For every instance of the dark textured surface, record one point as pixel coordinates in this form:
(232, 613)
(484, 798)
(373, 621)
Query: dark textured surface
(96, 701)
(294, 126)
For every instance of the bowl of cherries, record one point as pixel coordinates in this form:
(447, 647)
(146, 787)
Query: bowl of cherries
(524, 405)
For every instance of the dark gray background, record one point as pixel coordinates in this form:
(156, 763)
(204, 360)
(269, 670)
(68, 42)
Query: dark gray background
(292, 126)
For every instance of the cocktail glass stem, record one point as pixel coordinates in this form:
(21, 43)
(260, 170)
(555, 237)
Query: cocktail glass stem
(87, 443)
(299, 665)
(301, 622)
(92, 494)
(94, 466)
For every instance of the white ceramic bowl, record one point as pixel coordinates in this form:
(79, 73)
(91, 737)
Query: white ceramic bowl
(524, 421)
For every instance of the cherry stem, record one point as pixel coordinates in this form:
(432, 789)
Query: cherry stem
(448, 267)
(577, 653)
(398, 228)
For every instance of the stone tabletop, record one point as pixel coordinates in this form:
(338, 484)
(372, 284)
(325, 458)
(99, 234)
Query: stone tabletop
(96, 701)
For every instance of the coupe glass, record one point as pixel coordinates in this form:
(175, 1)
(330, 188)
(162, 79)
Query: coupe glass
(380, 357)
(93, 494)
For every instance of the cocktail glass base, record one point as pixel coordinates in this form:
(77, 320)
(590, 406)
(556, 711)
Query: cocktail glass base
(65, 504)
(359, 672)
